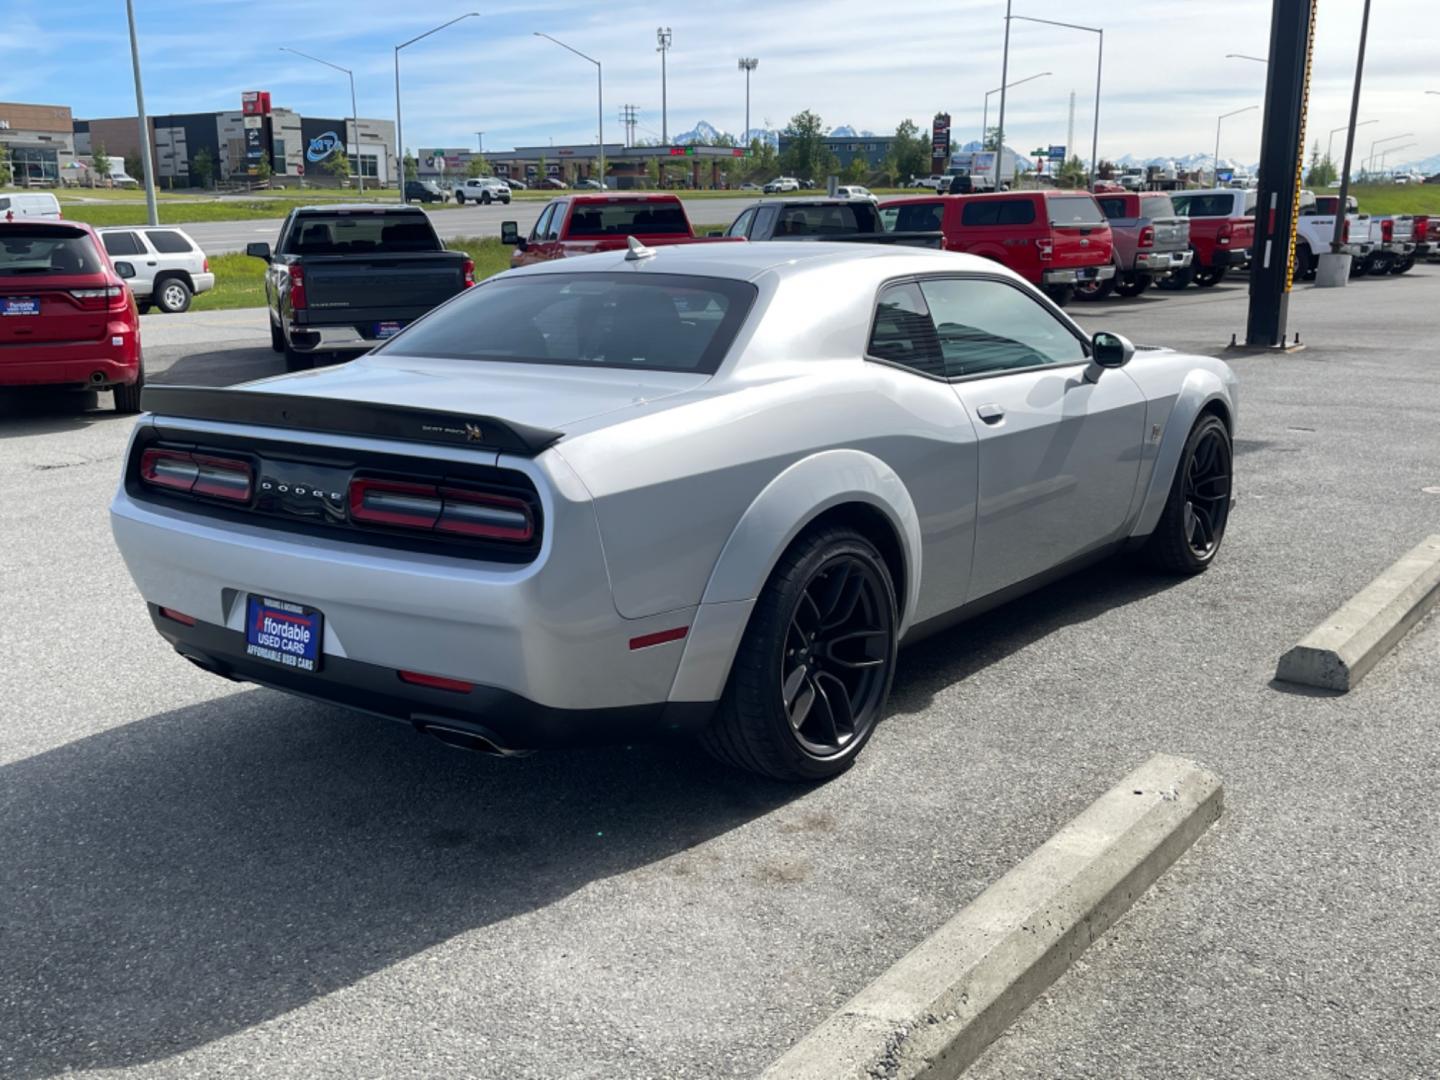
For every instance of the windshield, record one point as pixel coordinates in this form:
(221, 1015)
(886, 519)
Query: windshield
(624, 219)
(39, 251)
(350, 234)
(1074, 210)
(656, 322)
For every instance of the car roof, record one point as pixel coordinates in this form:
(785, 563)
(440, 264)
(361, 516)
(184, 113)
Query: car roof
(132, 228)
(743, 261)
(46, 223)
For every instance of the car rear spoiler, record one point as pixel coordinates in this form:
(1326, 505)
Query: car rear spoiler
(366, 419)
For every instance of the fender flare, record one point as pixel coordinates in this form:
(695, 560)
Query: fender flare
(1201, 387)
(819, 482)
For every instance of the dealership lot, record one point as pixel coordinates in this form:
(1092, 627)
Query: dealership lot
(212, 879)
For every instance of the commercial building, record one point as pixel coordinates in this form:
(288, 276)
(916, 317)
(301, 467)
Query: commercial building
(39, 140)
(872, 149)
(625, 166)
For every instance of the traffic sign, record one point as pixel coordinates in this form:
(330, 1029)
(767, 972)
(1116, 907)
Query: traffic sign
(1057, 153)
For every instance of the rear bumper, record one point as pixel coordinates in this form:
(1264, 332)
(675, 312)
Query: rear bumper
(203, 282)
(1401, 248)
(507, 720)
(1228, 258)
(1070, 277)
(328, 339)
(96, 364)
(1162, 262)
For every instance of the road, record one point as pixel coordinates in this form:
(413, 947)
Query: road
(206, 879)
(218, 237)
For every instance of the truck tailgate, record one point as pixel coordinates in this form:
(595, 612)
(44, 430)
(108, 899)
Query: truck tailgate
(397, 287)
(1171, 234)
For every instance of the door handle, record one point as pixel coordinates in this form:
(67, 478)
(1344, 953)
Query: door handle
(991, 413)
(150, 263)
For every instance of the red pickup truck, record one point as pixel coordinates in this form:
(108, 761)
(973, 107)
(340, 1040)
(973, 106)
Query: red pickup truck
(1053, 239)
(1222, 232)
(585, 224)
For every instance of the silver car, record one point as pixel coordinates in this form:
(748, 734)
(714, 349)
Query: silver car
(708, 488)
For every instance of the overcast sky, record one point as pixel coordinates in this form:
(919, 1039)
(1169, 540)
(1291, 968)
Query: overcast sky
(859, 62)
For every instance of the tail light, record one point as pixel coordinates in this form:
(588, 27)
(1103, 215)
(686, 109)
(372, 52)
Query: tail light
(1147, 236)
(1046, 246)
(1225, 233)
(297, 288)
(197, 474)
(205, 268)
(113, 297)
(1387, 230)
(469, 273)
(1422, 228)
(439, 509)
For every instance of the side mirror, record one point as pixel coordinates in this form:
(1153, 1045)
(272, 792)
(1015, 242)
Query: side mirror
(125, 270)
(510, 233)
(258, 250)
(1108, 350)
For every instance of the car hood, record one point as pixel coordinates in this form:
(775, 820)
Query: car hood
(540, 395)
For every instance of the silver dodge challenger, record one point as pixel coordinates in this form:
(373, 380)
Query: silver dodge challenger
(706, 489)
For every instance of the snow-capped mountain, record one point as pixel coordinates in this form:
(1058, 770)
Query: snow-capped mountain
(707, 134)
(1429, 166)
(845, 131)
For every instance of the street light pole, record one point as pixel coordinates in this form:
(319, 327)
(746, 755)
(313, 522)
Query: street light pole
(1370, 161)
(747, 65)
(1099, 67)
(985, 117)
(146, 166)
(1215, 171)
(662, 39)
(599, 96)
(1004, 78)
(1330, 145)
(399, 129)
(1342, 207)
(480, 142)
(354, 111)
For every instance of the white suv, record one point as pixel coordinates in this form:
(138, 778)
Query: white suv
(484, 190)
(782, 183)
(170, 268)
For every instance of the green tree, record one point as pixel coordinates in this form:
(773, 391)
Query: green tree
(807, 156)
(1107, 170)
(992, 138)
(1322, 169)
(857, 172)
(133, 166)
(5, 174)
(202, 166)
(101, 162)
(338, 166)
(412, 167)
(478, 166)
(263, 169)
(909, 153)
(1072, 172)
(763, 161)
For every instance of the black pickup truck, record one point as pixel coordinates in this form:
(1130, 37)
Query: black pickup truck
(343, 278)
(847, 220)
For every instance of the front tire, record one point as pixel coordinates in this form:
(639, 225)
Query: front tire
(485, 199)
(1192, 525)
(173, 296)
(1060, 295)
(459, 199)
(277, 338)
(1306, 262)
(1404, 266)
(813, 671)
(1208, 279)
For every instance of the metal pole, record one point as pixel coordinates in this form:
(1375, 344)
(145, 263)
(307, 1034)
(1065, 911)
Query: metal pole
(399, 132)
(355, 119)
(146, 166)
(1095, 138)
(1343, 206)
(1215, 168)
(1004, 78)
(600, 110)
(747, 107)
(662, 41)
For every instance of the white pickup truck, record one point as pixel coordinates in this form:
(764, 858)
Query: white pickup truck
(483, 190)
(1315, 230)
(1393, 237)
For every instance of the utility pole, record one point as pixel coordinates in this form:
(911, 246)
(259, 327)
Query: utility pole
(629, 116)
(480, 142)
(1004, 78)
(747, 65)
(147, 167)
(1070, 128)
(662, 38)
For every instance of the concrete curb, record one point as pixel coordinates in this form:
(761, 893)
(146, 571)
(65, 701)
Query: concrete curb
(934, 1012)
(1337, 654)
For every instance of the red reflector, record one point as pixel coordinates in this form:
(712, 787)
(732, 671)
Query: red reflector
(660, 637)
(435, 682)
(178, 616)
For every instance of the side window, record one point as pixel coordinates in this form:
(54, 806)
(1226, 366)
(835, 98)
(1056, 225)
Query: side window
(557, 219)
(742, 224)
(537, 231)
(986, 326)
(1113, 208)
(121, 243)
(169, 242)
(983, 213)
(765, 220)
(903, 332)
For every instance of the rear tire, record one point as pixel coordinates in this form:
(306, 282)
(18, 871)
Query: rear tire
(1359, 267)
(1180, 279)
(143, 306)
(1095, 290)
(127, 398)
(172, 295)
(277, 338)
(1208, 279)
(1132, 285)
(1404, 266)
(1306, 262)
(813, 671)
(459, 198)
(1192, 525)
(298, 361)
(1060, 295)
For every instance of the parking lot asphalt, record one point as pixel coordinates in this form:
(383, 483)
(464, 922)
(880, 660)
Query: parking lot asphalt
(218, 237)
(207, 879)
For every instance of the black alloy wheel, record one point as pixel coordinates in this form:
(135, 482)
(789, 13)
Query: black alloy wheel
(834, 671)
(811, 677)
(1192, 525)
(1209, 278)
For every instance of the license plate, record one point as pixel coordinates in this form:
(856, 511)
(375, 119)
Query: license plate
(387, 329)
(283, 633)
(20, 305)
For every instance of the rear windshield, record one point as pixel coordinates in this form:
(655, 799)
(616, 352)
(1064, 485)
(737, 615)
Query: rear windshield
(34, 251)
(1218, 205)
(1073, 210)
(826, 220)
(654, 322)
(913, 217)
(1112, 207)
(624, 219)
(1157, 206)
(354, 234)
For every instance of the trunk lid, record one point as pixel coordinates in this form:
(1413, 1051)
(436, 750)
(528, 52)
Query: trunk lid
(1079, 231)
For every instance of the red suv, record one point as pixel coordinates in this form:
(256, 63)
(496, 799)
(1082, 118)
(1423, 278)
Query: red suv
(1053, 239)
(67, 318)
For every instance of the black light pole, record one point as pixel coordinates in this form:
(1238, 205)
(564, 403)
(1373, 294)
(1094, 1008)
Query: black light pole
(354, 111)
(399, 130)
(662, 46)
